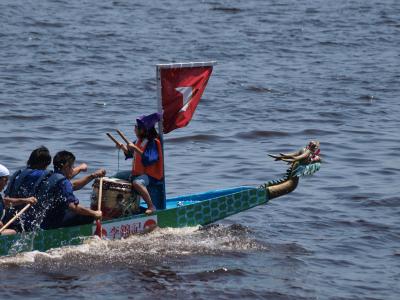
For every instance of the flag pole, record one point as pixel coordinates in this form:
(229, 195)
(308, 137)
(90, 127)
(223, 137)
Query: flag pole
(160, 129)
(160, 67)
(159, 102)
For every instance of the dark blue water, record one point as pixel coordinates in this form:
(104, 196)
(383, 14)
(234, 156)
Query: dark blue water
(287, 71)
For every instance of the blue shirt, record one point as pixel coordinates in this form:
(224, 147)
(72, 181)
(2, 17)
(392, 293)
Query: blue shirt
(58, 204)
(67, 192)
(26, 189)
(27, 186)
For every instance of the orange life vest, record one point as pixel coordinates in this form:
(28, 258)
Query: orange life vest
(155, 170)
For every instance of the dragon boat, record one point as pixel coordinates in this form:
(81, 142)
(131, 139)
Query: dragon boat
(190, 210)
(180, 87)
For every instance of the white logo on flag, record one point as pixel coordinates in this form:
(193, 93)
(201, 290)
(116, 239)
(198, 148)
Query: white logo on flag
(187, 93)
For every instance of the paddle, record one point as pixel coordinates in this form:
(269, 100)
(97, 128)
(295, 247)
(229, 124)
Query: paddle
(14, 218)
(98, 223)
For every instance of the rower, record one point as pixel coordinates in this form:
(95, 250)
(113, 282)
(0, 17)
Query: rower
(23, 184)
(7, 202)
(27, 183)
(63, 208)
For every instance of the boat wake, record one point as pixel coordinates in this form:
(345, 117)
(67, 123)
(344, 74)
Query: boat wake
(156, 247)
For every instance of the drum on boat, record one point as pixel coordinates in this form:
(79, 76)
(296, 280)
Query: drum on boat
(118, 199)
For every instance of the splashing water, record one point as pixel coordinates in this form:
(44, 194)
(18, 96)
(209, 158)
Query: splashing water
(154, 247)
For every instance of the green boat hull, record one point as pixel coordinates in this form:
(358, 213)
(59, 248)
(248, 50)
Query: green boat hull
(191, 210)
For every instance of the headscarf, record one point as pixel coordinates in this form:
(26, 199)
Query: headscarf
(148, 122)
(4, 171)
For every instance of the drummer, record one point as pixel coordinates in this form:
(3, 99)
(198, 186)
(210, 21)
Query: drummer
(147, 165)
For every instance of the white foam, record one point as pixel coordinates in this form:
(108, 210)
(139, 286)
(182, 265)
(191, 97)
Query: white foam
(138, 249)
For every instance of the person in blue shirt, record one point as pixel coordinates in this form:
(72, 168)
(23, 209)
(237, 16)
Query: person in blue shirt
(37, 164)
(30, 181)
(8, 201)
(23, 183)
(63, 207)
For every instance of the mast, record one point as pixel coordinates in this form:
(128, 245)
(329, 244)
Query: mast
(159, 67)
(160, 130)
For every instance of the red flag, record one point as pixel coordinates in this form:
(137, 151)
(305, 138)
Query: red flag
(181, 90)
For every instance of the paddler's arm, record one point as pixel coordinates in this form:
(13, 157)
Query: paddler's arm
(81, 168)
(80, 183)
(72, 202)
(19, 201)
(80, 210)
(7, 231)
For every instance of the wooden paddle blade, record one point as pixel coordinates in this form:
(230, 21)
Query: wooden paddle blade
(98, 230)
(100, 198)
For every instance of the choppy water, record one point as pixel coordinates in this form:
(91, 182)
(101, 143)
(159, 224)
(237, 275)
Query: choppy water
(288, 71)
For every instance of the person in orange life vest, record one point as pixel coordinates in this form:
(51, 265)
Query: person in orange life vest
(147, 157)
